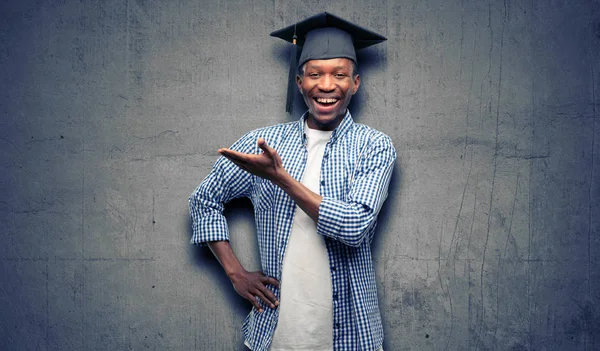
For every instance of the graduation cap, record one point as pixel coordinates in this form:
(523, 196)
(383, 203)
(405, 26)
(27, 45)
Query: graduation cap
(323, 36)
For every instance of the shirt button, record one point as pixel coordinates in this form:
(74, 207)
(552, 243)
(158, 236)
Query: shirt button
(333, 268)
(336, 325)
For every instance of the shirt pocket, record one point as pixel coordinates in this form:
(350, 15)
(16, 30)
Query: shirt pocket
(264, 195)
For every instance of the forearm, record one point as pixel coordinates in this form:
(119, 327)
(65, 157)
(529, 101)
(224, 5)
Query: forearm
(305, 198)
(341, 221)
(268, 165)
(345, 222)
(349, 223)
(225, 255)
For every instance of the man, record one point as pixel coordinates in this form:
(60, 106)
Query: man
(317, 186)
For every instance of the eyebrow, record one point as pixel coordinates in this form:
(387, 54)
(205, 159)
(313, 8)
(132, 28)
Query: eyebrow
(335, 68)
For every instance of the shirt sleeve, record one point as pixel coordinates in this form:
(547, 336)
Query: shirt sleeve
(225, 182)
(351, 221)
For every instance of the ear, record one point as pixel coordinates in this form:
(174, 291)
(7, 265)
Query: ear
(299, 82)
(356, 83)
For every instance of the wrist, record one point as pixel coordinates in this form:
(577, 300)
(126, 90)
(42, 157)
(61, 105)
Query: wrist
(283, 180)
(234, 273)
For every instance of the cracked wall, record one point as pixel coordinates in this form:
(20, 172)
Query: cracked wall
(112, 113)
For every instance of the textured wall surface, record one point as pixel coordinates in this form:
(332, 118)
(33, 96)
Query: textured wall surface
(111, 113)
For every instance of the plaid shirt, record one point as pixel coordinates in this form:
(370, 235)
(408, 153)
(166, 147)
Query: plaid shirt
(355, 174)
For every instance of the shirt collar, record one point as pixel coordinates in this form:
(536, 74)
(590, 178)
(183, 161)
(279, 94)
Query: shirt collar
(344, 126)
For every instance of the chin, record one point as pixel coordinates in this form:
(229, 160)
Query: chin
(325, 120)
(328, 120)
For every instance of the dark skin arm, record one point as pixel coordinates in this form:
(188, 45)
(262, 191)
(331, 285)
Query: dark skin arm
(249, 285)
(268, 165)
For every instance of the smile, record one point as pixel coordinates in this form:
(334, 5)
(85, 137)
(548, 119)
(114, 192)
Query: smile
(326, 101)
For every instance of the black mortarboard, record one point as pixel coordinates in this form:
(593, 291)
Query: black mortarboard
(323, 36)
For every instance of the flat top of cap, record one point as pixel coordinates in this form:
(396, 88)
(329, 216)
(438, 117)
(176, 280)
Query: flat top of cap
(362, 37)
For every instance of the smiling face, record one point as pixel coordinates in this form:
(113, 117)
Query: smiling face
(327, 87)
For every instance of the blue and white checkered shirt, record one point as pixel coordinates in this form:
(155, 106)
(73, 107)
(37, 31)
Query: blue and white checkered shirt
(355, 174)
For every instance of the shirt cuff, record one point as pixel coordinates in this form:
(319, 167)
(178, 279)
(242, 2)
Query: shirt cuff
(330, 218)
(210, 228)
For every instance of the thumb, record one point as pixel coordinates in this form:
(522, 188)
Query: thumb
(262, 144)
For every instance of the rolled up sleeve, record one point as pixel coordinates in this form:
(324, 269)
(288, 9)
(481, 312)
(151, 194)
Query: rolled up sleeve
(225, 182)
(352, 220)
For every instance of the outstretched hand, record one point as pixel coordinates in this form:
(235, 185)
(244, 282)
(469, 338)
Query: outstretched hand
(267, 165)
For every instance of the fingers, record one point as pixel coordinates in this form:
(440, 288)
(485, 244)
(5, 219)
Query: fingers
(272, 281)
(271, 300)
(265, 294)
(239, 159)
(254, 302)
(262, 144)
(253, 287)
(266, 300)
(232, 154)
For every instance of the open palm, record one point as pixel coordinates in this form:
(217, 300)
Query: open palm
(266, 165)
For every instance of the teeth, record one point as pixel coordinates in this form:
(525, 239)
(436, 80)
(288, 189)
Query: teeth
(326, 101)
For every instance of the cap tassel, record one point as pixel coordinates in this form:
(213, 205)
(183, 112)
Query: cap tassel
(289, 105)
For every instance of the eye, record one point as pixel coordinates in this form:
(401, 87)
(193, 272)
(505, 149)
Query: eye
(313, 74)
(340, 75)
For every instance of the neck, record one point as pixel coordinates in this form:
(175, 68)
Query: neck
(312, 122)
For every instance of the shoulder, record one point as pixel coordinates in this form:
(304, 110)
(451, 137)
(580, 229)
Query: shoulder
(272, 134)
(372, 137)
(276, 130)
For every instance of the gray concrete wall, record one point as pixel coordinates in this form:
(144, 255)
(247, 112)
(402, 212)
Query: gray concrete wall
(111, 113)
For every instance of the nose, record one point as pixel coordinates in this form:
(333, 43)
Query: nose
(326, 83)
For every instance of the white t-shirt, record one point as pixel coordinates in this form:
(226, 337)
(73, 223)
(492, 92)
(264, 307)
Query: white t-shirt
(305, 307)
